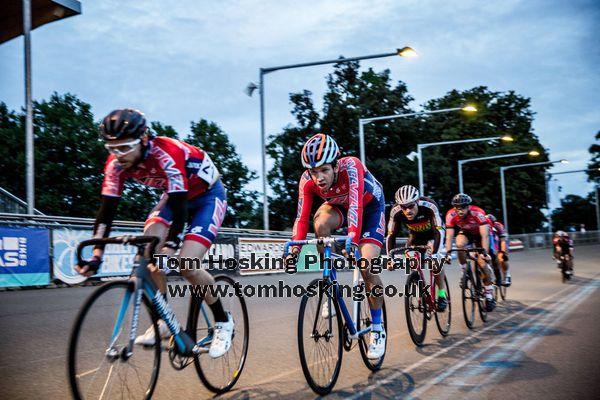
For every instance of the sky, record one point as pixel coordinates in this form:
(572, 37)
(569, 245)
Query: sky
(179, 61)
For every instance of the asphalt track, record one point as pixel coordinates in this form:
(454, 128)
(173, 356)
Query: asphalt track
(542, 342)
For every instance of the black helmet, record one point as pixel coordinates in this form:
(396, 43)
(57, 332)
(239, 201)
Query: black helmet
(461, 199)
(122, 124)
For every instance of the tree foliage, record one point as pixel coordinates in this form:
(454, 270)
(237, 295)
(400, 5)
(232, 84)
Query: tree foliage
(241, 209)
(352, 94)
(574, 211)
(594, 176)
(69, 162)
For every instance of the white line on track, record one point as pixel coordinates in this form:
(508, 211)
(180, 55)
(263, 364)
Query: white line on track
(432, 357)
(522, 343)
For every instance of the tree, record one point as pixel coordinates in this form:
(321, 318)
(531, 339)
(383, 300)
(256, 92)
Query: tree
(594, 176)
(499, 114)
(574, 211)
(350, 95)
(241, 209)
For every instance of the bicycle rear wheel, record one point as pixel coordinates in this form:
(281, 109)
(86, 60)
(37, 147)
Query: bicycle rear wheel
(443, 319)
(469, 297)
(219, 375)
(481, 298)
(364, 321)
(98, 373)
(320, 339)
(415, 306)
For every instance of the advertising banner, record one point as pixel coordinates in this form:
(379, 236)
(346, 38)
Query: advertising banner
(117, 259)
(24, 257)
(260, 256)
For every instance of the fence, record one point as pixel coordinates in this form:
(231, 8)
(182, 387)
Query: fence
(544, 239)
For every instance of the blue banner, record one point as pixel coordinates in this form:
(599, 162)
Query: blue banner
(24, 257)
(117, 259)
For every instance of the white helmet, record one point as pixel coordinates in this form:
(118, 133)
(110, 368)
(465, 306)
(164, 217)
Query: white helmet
(407, 194)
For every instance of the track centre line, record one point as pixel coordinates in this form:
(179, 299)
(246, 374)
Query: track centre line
(445, 350)
(542, 319)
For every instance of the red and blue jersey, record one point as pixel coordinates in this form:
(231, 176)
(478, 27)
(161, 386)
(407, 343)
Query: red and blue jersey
(168, 164)
(354, 188)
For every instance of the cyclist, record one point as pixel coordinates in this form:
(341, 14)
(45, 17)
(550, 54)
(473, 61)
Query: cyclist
(468, 223)
(353, 198)
(193, 194)
(563, 245)
(425, 228)
(500, 247)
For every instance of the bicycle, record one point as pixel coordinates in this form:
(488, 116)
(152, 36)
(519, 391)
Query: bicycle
(566, 267)
(102, 355)
(472, 288)
(325, 331)
(420, 304)
(500, 288)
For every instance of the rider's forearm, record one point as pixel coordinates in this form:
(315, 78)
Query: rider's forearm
(178, 204)
(390, 242)
(104, 219)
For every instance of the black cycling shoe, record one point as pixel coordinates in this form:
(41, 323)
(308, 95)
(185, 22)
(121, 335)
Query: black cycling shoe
(442, 303)
(490, 304)
(507, 281)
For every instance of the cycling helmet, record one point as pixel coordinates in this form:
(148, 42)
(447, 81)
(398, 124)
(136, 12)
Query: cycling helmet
(123, 124)
(461, 199)
(407, 194)
(559, 233)
(491, 218)
(319, 150)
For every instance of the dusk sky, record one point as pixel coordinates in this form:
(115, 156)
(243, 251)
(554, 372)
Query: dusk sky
(185, 60)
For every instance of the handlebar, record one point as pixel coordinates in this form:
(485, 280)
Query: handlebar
(132, 240)
(322, 241)
(479, 250)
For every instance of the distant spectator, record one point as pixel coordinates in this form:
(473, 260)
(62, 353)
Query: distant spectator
(582, 228)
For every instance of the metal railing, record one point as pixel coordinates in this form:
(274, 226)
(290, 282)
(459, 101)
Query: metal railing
(543, 240)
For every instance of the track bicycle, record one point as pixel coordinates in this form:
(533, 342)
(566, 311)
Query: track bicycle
(472, 288)
(103, 361)
(325, 326)
(421, 305)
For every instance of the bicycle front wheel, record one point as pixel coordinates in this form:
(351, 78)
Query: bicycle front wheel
(320, 338)
(219, 375)
(415, 305)
(443, 319)
(469, 297)
(98, 365)
(364, 321)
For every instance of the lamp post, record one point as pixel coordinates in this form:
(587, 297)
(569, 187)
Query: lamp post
(503, 186)
(404, 52)
(422, 146)
(363, 121)
(549, 176)
(462, 162)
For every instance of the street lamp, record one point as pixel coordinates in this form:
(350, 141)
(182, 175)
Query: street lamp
(403, 52)
(363, 121)
(503, 188)
(532, 153)
(421, 146)
(549, 176)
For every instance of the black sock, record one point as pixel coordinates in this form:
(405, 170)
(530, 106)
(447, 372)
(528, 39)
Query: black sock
(218, 312)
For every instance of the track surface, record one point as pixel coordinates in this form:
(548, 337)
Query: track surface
(543, 341)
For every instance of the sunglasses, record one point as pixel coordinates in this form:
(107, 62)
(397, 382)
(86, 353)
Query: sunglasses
(461, 207)
(408, 206)
(122, 149)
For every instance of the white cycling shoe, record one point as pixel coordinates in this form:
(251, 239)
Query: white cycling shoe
(377, 345)
(222, 337)
(147, 339)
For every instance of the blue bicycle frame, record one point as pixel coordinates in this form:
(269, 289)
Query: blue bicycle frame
(329, 273)
(143, 284)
